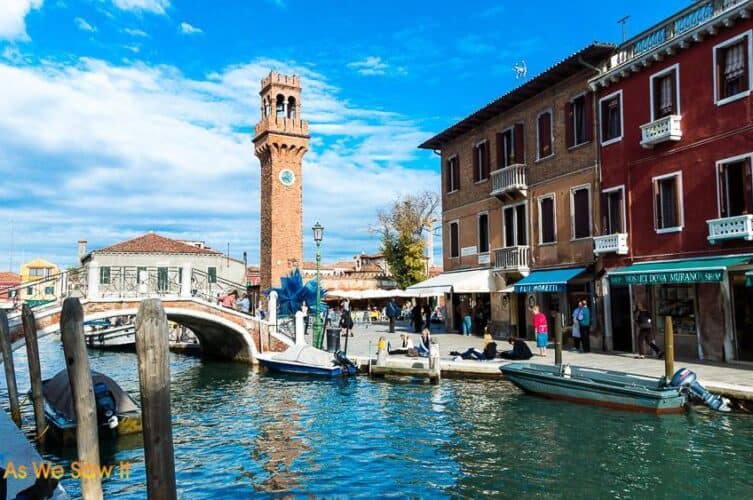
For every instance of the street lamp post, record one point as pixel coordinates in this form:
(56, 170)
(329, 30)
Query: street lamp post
(318, 337)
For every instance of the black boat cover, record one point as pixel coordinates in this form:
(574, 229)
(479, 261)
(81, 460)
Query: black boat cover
(57, 392)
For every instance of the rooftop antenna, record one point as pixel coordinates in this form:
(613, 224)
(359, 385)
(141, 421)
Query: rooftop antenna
(623, 22)
(520, 69)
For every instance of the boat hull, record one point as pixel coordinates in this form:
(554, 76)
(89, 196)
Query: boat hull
(64, 431)
(598, 388)
(288, 367)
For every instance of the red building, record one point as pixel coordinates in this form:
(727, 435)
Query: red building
(676, 136)
(8, 281)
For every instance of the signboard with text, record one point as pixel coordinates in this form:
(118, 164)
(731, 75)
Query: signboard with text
(541, 287)
(667, 277)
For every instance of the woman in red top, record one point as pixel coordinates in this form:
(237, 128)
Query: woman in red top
(542, 330)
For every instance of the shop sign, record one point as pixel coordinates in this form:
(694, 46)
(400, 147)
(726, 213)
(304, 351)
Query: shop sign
(667, 277)
(541, 287)
(467, 251)
(483, 258)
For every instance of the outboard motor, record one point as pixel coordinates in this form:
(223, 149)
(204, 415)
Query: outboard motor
(347, 364)
(687, 381)
(106, 406)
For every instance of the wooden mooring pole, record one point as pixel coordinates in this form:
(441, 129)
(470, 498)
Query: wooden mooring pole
(35, 371)
(154, 380)
(80, 378)
(669, 347)
(10, 371)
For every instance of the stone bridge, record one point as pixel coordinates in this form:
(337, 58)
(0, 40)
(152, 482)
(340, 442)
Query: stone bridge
(222, 332)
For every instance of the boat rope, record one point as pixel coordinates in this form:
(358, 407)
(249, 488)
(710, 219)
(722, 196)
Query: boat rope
(41, 435)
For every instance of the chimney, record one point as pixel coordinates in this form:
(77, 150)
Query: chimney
(81, 249)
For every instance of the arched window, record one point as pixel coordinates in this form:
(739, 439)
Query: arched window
(291, 107)
(267, 107)
(280, 106)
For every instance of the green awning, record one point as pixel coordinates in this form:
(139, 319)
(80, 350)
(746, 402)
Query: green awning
(701, 270)
(749, 278)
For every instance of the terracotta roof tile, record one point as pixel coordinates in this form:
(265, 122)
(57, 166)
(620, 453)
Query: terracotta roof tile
(9, 277)
(154, 243)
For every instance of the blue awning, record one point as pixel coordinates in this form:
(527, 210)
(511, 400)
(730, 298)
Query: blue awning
(554, 280)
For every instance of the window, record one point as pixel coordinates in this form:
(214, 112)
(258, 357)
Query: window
(732, 68)
(452, 174)
(483, 233)
(480, 162)
(547, 220)
(668, 202)
(612, 211)
(580, 212)
(49, 290)
(610, 117)
(29, 290)
(140, 275)
(516, 234)
(454, 242)
(162, 285)
(735, 187)
(665, 93)
(39, 272)
(212, 274)
(510, 146)
(579, 120)
(544, 134)
(104, 275)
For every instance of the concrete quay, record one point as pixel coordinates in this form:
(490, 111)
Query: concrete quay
(729, 379)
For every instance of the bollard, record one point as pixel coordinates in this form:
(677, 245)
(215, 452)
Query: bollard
(557, 346)
(435, 370)
(35, 372)
(669, 348)
(300, 338)
(10, 371)
(381, 352)
(154, 382)
(82, 392)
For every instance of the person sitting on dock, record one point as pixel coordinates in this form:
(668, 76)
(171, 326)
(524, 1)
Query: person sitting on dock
(489, 352)
(405, 345)
(424, 345)
(519, 350)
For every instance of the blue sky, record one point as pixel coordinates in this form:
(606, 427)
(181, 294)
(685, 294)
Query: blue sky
(119, 117)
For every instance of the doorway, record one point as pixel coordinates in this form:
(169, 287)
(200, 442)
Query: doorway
(622, 325)
(743, 312)
(522, 323)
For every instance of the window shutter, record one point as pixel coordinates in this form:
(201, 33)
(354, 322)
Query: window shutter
(588, 116)
(447, 175)
(475, 164)
(545, 135)
(746, 69)
(569, 132)
(456, 171)
(500, 151)
(519, 143)
(722, 191)
(748, 190)
(675, 97)
(487, 159)
(606, 227)
(657, 204)
(721, 93)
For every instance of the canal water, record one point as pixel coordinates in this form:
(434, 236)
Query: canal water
(239, 433)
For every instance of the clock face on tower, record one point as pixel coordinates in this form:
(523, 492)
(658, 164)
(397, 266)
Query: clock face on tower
(287, 177)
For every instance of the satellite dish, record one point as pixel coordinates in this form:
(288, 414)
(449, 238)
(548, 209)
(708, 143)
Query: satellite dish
(520, 69)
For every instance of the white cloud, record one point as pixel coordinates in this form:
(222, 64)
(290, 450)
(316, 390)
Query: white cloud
(372, 65)
(83, 25)
(187, 29)
(153, 6)
(13, 18)
(115, 151)
(135, 32)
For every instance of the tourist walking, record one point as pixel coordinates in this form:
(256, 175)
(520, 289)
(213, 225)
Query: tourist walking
(228, 300)
(585, 326)
(244, 305)
(305, 311)
(393, 311)
(576, 328)
(541, 328)
(346, 323)
(427, 315)
(645, 332)
(416, 317)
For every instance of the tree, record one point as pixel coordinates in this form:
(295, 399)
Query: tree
(402, 226)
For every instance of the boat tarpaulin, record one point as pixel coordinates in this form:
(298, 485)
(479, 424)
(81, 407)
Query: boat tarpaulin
(57, 391)
(469, 281)
(700, 270)
(551, 280)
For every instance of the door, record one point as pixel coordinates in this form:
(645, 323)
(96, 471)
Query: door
(622, 325)
(522, 323)
(743, 311)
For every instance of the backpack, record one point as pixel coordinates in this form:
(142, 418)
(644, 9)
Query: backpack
(490, 351)
(392, 310)
(644, 320)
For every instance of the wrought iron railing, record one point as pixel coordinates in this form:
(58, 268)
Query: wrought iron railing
(210, 286)
(54, 288)
(136, 281)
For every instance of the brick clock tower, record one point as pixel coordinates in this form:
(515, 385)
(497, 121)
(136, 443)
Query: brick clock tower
(280, 141)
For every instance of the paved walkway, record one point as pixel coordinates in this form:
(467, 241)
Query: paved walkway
(731, 379)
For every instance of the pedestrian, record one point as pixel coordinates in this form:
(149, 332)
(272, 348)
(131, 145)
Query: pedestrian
(416, 317)
(467, 322)
(645, 332)
(576, 328)
(244, 305)
(585, 326)
(541, 328)
(228, 300)
(427, 315)
(305, 311)
(393, 311)
(346, 323)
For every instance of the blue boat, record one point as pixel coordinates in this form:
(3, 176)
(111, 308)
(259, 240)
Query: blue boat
(612, 389)
(307, 360)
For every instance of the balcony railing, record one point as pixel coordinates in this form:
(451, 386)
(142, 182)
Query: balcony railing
(510, 179)
(663, 129)
(611, 243)
(512, 258)
(731, 228)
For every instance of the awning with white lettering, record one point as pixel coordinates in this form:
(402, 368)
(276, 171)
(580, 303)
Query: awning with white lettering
(550, 280)
(700, 270)
(468, 281)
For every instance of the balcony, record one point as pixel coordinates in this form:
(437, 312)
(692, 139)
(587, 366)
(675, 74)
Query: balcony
(739, 227)
(514, 259)
(661, 130)
(611, 243)
(509, 181)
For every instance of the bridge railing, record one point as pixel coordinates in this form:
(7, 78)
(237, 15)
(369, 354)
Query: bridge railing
(209, 286)
(52, 289)
(139, 281)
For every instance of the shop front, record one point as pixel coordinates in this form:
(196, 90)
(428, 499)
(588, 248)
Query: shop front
(699, 295)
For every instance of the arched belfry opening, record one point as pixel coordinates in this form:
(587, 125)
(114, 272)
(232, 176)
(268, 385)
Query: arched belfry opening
(280, 106)
(267, 107)
(291, 108)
